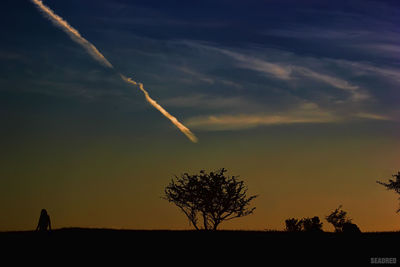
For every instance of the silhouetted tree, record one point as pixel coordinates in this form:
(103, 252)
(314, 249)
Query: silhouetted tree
(211, 197)
(338, 218)
(312, 224)
(350, 228)
(293, 225)
(393, 184)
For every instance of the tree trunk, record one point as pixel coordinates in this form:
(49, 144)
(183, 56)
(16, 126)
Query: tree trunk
(216, 223)
(195, 225)
(205, 221)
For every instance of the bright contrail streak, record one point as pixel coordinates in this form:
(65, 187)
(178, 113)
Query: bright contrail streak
(73, 33)
(180, 126)
(95, 53)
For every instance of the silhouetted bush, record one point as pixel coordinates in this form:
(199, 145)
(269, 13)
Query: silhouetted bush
(211, 197)
(312, 224)
(350, 228)
(393, 184)
(293, 225)
(306, 224)
(338, 218)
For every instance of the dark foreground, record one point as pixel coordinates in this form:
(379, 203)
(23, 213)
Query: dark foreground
(187, 248)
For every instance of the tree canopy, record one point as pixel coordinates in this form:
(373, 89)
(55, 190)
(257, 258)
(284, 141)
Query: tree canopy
(338, 218)
(210, 198)
(393, 184)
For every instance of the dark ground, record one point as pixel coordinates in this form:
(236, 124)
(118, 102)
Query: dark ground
(187, 248)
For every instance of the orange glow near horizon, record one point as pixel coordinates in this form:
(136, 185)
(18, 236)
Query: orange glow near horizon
(303, 110)
(112, 182)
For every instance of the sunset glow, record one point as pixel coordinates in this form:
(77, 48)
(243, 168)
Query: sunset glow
(103, 103)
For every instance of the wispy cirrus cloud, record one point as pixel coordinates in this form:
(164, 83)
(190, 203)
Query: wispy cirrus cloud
(371, 116)
(315, 32)
(354, 90)
(275, 69)
(207, 102)
(381, 41)
(288, 71)
(224, 122)
(246, 121)
(195, 74)
(306, 113)
(368, 69)
(384, 48)
(192, 76)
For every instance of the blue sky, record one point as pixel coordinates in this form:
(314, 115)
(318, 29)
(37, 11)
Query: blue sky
(249, 64)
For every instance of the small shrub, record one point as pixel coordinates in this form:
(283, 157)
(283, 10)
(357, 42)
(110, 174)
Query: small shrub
(293, 225)
(304, 225)
(312, 224)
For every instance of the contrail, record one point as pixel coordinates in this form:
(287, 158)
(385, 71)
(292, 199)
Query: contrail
(95, 53)
(180, 126)
(73, 33)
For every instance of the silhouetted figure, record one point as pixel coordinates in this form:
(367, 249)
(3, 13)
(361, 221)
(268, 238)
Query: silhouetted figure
(44, 222)
(351, 228)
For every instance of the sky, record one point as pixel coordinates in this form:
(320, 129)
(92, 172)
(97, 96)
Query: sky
(298, 98)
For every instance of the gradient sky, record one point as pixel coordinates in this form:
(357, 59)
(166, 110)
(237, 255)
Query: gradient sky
(299, 98)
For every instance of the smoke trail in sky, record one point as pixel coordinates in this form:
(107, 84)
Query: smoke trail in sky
(180, 126)
(95, 53)
(73, 33)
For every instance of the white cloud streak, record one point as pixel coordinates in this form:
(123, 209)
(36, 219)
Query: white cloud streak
(225, 122)
(72, 32)
(245, 121)
(371, 116)
(356, 93)
(95, 53)
(368, 69)
(277, 70)
(306, 113)
(286, 71)
(333, 81)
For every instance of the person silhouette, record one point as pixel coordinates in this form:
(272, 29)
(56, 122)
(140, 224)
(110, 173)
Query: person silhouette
(44, 222)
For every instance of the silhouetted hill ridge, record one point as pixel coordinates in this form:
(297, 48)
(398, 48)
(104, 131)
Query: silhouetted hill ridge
(226, 245)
